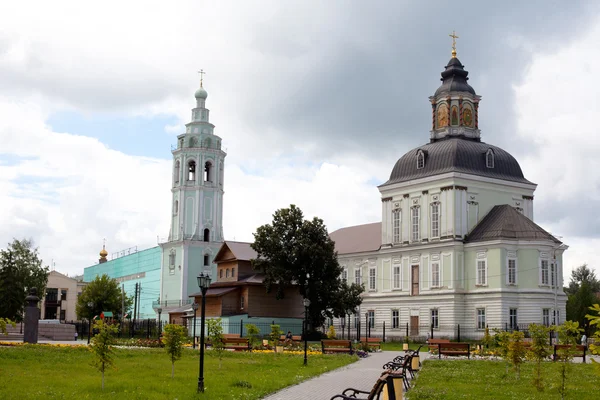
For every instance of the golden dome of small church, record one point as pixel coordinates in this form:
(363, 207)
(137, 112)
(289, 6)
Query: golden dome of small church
(457, 243)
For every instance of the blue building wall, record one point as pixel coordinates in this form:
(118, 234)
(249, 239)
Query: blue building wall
(142, 267)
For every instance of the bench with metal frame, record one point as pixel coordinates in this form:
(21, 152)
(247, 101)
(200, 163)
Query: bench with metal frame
(577, 350)
(336, 346)
(385, 383)
(454, 349)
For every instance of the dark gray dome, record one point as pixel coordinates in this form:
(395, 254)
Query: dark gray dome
(457, 155)
(455, 78)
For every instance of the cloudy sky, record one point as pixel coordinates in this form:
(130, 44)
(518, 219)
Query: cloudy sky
(314, 100)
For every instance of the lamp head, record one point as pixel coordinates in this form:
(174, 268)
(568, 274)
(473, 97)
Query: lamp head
(159, 310)
(203, 281)
(194, 306)
(306, 302)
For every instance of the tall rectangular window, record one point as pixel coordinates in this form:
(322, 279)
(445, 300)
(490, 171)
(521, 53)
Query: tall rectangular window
(395, 319)
(556, 317)
(546, 317)
(435, 322)
(242, 303)
(396, 277)
(415, 224)
(435, 220)
(435, 275)
(372, 277)
(553, 274)
(345, 275)
(481, 318)
(396, 226)
(544, 272)
(371, 318)
(357, 276)
(481, 272)
(512, 318)
(512, 271)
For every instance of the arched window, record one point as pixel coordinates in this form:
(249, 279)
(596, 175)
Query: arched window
(420, 159)
(227, 273)
(206, 260)
(176, 172)
(208, 172)
(454, 116)
(192, 171)
(207, 235)
(176, 207)
(489, 158)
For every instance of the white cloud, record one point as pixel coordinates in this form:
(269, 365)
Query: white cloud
(558, 109)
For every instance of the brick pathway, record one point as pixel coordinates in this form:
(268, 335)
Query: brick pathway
(360, 375)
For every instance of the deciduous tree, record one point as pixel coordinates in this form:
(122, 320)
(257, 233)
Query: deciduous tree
(101, 346)
(105, 294)
(173, 339)
(20, 269)
(294, 251)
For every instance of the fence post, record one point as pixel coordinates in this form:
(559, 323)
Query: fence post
(431, 335)
(459, 332)
(550, 333)
(506, 326)
(407, 329)
(383, 331)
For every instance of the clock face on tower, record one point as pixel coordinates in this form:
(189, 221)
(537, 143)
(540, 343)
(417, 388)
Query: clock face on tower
(467, 117)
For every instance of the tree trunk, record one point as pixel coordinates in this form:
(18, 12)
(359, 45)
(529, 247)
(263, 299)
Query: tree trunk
(172, 370)
(102, 380)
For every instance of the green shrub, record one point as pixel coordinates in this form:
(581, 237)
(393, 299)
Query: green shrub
(331, 334)
(101, 346)
(252, 333)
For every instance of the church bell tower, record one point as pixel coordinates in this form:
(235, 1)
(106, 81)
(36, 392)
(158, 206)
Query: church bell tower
(196, 229)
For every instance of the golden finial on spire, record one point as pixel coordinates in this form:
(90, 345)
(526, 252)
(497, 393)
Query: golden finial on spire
(201, 72)
(454, 37)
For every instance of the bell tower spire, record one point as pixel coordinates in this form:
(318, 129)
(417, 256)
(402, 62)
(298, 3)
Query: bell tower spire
(196, 231)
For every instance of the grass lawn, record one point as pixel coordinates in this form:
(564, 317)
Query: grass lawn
(475, 379)
(43, 372)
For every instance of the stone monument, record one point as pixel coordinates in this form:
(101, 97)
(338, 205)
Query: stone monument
(32, 317)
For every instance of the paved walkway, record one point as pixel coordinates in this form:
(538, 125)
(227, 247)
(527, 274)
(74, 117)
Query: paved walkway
(360, 375)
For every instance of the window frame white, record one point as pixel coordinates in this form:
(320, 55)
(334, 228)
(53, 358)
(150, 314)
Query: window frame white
(435, 274)
(544, 272)
(344, 276)
(395, 319)
(415, 220)
(511, 281)
(396, 276)
(481, 279)
(489, 159)
(435, 219)
(434, 318)
(480, 318)
(358, 276)
(396, 225)
(512, 325)
(420, 159)
(546, 316)
(371, 319)
(373, 278)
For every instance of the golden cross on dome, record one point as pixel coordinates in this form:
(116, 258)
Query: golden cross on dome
(201, 72)
(454, 37)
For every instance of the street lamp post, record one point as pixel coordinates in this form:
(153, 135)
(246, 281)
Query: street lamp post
(203, 283)
(306, 305)
(194, 307)
(91, 306)
(159, 330)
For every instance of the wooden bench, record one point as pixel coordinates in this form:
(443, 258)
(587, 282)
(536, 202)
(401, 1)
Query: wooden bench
(433, 343)
(578, 350)
(237, 344)
(454, 349)
(295, 338)
(336, 346)
(385, 383)
(231, 335)
(371, 342)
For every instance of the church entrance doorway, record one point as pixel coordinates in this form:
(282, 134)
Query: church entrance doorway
(414, 280)
(414, 325)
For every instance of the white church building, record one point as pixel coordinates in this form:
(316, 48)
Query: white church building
(457, 243)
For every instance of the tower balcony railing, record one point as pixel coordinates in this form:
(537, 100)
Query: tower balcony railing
(171, 303)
